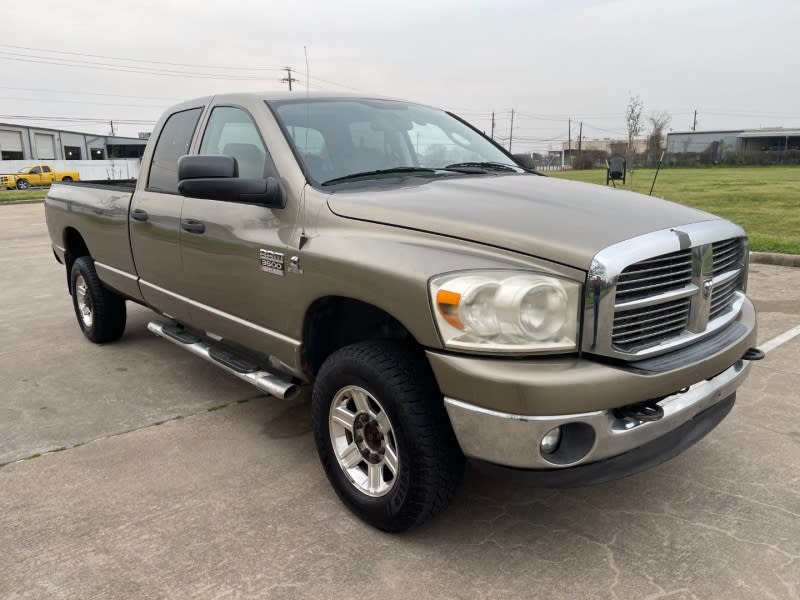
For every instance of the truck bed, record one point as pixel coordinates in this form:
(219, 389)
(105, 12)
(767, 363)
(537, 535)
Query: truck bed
(97, 211)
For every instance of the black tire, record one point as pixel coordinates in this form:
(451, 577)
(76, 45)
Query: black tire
(398, 381)
(105, 321)
(22, 184)
(68, 178)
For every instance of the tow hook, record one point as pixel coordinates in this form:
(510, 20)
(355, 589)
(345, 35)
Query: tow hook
(753, 354)
(641, 411)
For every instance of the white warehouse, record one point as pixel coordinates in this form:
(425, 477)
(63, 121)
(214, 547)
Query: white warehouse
(23, 142)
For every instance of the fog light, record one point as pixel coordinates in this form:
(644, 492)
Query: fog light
(550, 441)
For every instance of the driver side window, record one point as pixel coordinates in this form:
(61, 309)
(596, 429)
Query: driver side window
(232, 132)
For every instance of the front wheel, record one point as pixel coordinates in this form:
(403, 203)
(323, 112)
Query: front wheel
(101, 313)
(383, 435)
(22, 184)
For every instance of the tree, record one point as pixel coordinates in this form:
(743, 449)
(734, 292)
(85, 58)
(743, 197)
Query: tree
(658, 123)
(633, 119)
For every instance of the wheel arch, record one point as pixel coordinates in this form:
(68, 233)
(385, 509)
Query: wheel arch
(332, 322)
(74, 248)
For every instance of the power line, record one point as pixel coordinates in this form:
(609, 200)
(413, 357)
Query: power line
(85, 93)
(315, 78)
(141, 60)
(63, 62)
(51, 100)
(76, 119)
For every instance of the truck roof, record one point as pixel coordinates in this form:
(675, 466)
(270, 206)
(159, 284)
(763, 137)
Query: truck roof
(280, 95)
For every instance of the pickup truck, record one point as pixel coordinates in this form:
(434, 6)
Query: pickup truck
(36, 175)
(443, 301)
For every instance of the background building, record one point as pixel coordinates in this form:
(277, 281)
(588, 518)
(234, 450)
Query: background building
(22, 142)
(776, 139)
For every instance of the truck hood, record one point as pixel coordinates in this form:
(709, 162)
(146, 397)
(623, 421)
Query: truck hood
(561, 221)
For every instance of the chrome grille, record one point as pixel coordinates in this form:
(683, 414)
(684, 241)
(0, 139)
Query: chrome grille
(655, 276)
(722, 297)
(647, 325)
(727, 255)
(665, 301)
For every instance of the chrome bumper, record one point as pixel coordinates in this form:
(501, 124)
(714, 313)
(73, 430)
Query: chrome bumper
(514, 440)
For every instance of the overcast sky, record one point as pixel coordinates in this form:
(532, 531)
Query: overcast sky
(735, 62)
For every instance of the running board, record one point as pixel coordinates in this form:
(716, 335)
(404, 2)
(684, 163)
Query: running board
(266, 381)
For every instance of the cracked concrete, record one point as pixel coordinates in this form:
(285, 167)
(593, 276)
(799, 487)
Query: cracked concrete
(232, 503)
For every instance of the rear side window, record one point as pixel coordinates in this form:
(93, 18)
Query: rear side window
(46, 169)
(172, 144)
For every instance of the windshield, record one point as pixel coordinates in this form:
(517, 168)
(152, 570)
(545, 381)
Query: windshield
(339, 138)
(24, 169)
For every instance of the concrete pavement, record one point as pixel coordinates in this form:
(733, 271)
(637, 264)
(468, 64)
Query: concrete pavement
(229, 500)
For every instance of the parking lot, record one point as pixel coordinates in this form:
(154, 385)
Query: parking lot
(174, 479)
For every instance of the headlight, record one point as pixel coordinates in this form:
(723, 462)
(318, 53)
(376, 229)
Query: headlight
(506, 311)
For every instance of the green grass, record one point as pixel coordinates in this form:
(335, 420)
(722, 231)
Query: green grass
(763, 200)
(12, 195)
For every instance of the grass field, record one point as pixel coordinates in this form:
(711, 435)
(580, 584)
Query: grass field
(763, 200)
(11, 195)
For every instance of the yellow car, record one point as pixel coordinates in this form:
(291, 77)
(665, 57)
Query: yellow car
(36, 175)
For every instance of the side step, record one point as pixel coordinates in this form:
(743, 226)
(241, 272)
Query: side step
(266, 381)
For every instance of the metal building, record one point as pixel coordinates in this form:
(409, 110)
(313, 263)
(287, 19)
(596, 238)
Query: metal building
(775, 139)
(699, 141)
(23, 142)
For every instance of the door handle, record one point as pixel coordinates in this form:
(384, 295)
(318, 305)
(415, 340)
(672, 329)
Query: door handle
(193, 226)
(139, 214)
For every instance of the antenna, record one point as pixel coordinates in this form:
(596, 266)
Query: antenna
(303, 237)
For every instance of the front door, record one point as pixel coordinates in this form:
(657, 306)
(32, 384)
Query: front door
(235, 261)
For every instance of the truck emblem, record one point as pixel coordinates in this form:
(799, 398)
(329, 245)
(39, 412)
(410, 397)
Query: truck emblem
(708, 285)
(271, 262)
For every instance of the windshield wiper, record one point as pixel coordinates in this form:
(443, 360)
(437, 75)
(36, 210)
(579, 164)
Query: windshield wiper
(490, 166)
(378, 172)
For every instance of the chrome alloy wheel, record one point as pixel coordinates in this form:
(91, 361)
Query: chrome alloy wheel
(363, 441)
(84, 301)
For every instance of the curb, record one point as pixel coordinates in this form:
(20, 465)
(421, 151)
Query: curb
(33, 201)
(772, 258)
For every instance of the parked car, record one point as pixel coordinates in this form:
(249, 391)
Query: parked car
(442, 300)
(36, 175)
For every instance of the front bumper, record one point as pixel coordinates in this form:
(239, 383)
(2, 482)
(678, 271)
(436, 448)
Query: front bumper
(514, 440)
(500, 409)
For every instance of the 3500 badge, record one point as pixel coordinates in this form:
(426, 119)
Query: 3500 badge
(272, 262)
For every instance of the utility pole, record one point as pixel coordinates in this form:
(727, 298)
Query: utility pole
(288, 79)
(569, 139)
(694, 125)
(492, 136)
(580, 146)
(511, 133)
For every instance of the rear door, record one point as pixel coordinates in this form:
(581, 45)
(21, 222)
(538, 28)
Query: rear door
(47, 175)
(155, 227)
(35, 175)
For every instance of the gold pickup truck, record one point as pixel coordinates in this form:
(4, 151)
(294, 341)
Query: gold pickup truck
(36, 175)
(441, 300)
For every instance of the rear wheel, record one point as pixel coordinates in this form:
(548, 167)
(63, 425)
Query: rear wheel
(22, 184)
(67, 178)
(383, 435)
(101, 313)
